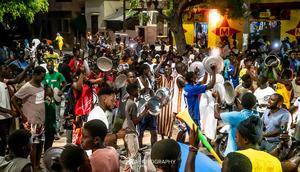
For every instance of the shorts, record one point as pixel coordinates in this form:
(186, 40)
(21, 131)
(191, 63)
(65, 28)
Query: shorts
(147, 123)
(37, 133)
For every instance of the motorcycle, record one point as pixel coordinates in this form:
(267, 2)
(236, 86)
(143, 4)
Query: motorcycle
(221, 140)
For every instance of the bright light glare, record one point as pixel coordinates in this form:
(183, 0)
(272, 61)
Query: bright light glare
(276, 45)
(214, 16)
(131, 45)
(215, 52)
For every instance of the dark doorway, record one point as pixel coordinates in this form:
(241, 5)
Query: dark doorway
(94, 20)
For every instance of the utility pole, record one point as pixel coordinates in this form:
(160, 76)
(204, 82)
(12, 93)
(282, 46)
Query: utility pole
(124, 15)
(246, 35)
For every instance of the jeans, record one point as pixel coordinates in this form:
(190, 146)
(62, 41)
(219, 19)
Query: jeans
(69, 136)
(268, 145)
(4, 133)
(49, 138)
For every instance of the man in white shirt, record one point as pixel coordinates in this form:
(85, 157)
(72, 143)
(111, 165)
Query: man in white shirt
(103, 112)
(262, 94)
(107, 102)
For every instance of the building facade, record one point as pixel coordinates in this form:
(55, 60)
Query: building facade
(65, 17)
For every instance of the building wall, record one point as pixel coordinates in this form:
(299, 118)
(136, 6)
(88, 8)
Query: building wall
(110, 7)
(287, 25)
(101, 8)
(214, 39)
(94, 7)
(58, 19)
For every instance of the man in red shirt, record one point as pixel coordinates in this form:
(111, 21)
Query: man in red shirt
(76, 62)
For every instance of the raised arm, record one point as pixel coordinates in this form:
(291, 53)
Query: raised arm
(217, 110)
(161, 61)
(194, 142)
(21, 76)
(211, 84)
(78, 85)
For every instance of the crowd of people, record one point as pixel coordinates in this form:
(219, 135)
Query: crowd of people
(44, 94)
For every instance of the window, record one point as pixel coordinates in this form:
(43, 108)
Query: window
(153, 17)
(59, 25)
(94, 20)
(66, 25)
(63, 25)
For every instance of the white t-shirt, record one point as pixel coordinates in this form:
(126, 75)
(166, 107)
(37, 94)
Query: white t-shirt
(262, 96)
(98, 113)
(297, 104)
(4, 100)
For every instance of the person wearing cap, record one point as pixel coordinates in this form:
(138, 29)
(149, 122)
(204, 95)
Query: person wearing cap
(235, 117)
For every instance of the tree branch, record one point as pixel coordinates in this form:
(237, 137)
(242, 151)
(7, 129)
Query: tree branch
(167, 18)
(188, 3)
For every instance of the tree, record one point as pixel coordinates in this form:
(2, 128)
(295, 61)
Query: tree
(173, 9)
(13, 9)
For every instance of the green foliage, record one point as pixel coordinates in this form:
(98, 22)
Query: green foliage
(22, 8)
(145, 18)
(169, 9)
(132, 12)
(234, 8)
(133, 4)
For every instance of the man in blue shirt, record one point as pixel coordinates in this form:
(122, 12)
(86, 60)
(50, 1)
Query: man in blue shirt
(192, 90)
(275, 121)
(234, 118)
